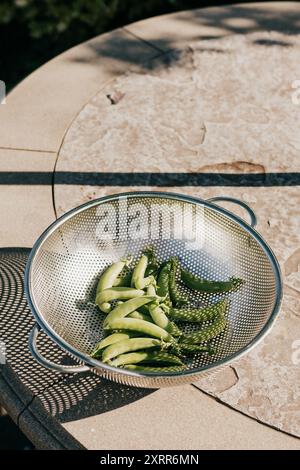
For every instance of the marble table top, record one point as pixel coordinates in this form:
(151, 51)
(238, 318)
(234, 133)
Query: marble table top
(222, 108)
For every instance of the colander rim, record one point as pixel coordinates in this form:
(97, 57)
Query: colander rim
(94, 363)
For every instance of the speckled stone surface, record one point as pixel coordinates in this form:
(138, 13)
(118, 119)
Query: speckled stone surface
(220, 105)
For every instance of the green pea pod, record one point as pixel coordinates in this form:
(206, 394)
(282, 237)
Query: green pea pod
(198, 314)
(138, 280)
(157, 370)
(105, 307)
(125, 308)
(207, 333)
(111, 339)
(141, 326)
(159, 357)
(147, 281)
(163, 280)
(166, 306)
(128, 345)
(161, 319)
(176, 296)
(123, 281)
(144, 309)
(151, 288)
(111, 273)
(151, 269)
(204, 285)
(140, 316)
(108, 279)
(128, 358)
(152, 261)
(190, 349)
(116, 293)
(153, 265)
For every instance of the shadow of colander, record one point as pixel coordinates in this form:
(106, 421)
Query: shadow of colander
(67, 397)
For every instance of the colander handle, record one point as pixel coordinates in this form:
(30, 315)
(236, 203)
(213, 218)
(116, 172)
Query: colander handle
(253, 219)
(44, 362)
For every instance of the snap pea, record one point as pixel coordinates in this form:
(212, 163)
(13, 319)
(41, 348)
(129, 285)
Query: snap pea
(128, 345)
(153, 265)
(159, 357)
(151, 289)
(151, 269)
(147, 281)
(146, 299)
(128, 358)
(143, 309)
(109, 276)
(138, 275)
(190, 349)
(163, 281)
(203, 285)
(152, 261)
(122, 310)
(166, 306)
(161, 319)
(111, 339)
(123, 281)
(198, 314)
(118, 293)
(140, 316)
(105, 307)
(139, 368)
(141, 326)
(162, 357)
(207, 333)
(176, 297)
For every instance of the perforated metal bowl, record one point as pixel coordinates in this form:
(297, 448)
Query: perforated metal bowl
(67, 259)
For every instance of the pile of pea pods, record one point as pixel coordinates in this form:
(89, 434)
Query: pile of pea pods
(144, 308)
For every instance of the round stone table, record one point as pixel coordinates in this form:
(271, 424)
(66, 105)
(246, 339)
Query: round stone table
(202, 102)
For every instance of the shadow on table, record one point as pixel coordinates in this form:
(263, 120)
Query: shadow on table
(68, 397)
(86, 394)
(223, 21)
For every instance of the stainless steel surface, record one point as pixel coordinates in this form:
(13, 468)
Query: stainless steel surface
(66, 261)
(45, 362)
(253, 220)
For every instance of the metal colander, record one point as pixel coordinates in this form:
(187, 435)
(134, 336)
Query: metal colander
(66, 261)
